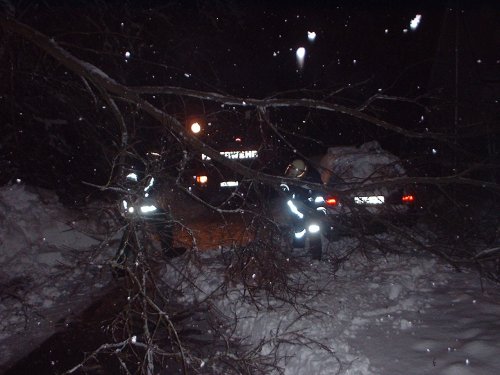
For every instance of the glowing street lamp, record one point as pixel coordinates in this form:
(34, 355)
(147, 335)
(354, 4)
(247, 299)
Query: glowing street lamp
(195, 127)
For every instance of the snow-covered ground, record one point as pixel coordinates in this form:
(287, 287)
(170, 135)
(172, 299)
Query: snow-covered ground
(399, 314)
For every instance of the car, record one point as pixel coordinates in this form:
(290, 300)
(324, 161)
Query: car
(362, 189)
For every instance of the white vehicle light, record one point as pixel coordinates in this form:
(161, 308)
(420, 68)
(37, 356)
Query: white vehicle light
(319, 199)
(147, 209)
(229, 184)
(300, 234)
(294, 209)
(373, 199)
(131, 210)
(314, 228)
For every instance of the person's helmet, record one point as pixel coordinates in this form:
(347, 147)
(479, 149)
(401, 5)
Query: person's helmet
(296, 168)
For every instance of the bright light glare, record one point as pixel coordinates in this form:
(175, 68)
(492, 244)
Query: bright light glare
(319, 199)
(301, 53)
(415, 22)
(314, 228)
(408, 198)
(201, 179)
(311, 35)
(147, 209)
(195, 127)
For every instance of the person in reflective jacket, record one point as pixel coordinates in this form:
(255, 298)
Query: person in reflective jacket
(140, 205)
(305, 207)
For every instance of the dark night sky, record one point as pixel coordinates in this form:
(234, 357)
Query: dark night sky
(248, 49)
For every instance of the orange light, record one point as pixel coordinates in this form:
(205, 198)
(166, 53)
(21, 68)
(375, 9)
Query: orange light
(408, 198)
(331, 201)
(201, 179)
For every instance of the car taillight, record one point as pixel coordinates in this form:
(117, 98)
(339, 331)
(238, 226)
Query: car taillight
(408, 198)
(331, 201)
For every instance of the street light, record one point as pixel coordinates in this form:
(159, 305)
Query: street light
(196, 127)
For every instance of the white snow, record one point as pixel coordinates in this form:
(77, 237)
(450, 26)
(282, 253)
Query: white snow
(395, 314)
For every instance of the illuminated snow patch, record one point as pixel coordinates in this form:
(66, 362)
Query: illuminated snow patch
(132, 176)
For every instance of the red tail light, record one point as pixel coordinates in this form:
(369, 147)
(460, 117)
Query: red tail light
(331, 201)
(408, 198)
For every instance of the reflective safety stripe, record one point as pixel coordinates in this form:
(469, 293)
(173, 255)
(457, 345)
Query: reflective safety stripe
(300, 234)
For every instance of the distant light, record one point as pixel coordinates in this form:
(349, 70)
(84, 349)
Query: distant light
(127, 55)
(434, 151)
(195, 127)
(311, 35)
(301, 54)
(237, 139)
(415, 22)
(201, 179)
(314, 228)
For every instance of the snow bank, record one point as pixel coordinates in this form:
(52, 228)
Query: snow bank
(39, 280)
(360, 164)
(388, 315)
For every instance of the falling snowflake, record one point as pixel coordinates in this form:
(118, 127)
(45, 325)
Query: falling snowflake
(415, 21)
